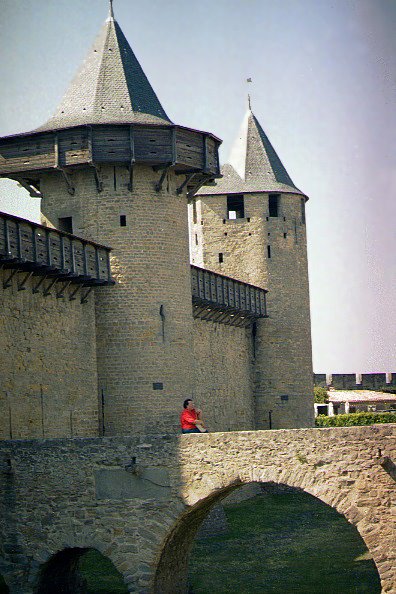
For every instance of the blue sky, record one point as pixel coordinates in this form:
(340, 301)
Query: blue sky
(323, 89)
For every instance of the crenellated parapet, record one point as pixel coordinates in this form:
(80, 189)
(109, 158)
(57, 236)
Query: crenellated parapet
(355, 381)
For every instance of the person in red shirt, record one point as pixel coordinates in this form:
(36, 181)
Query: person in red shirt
(191, 419)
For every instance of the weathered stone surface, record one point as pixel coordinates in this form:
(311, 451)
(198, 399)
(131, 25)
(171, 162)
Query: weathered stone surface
(148, 540)
(119, 484)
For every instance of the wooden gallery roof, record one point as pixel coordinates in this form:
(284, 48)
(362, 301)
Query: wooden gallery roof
(110, 114)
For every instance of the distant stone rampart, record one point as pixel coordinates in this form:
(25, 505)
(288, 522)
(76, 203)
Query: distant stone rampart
(355, 381)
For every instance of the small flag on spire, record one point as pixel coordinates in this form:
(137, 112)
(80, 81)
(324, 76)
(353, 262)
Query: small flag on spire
(248, 80)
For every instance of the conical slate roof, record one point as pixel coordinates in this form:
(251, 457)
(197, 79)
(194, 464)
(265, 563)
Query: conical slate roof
(253, 165)
(109, 88)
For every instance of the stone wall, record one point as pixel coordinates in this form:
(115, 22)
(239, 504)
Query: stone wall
(140, 501)
(144, 322)
(269, 252)
(48, 363)
(355, 381)
(223, 382)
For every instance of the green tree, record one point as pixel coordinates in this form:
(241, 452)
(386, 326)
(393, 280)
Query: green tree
(320, 395)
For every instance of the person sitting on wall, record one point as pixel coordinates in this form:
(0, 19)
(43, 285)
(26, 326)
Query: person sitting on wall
(191, 418)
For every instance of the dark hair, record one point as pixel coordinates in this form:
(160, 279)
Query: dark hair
(185, 403)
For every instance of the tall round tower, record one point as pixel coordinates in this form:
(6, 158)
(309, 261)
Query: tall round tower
(111, 167)
(251, 226)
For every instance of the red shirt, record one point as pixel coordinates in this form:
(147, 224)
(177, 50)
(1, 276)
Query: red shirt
(187, 419)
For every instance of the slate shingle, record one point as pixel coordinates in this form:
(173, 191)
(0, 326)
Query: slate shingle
(109, 88)
(254, 165)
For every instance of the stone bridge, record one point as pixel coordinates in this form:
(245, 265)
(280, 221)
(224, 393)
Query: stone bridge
(140, 501)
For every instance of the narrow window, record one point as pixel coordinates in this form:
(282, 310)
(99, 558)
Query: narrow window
(273, 202)
(196, 239)
(285, 235)
(221, 259)
(269, 251)
(115, 178)
(122, 220)
(235, 206)
(303, 211)
(65, 224)
(194, 205)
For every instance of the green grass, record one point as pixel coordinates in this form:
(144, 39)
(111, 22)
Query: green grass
(101, 575)
(283, 544)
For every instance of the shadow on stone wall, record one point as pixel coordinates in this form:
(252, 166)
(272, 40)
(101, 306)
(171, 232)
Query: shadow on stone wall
(172, 570)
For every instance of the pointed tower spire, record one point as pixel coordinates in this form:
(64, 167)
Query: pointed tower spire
(253, 165)
(111, 11)
(110, 87)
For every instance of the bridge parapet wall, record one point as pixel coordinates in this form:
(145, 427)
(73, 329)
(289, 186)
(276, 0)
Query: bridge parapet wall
(140, 501)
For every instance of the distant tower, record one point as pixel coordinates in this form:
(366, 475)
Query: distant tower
(251, 226)
(112, 167)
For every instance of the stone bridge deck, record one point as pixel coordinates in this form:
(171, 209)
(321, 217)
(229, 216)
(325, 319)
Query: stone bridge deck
(140, 501)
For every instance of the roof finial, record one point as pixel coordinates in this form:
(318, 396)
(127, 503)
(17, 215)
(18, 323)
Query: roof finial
(249, 80)
(111, 12)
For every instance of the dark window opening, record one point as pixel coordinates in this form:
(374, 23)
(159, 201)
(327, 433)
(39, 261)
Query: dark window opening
(226, 234)
(65, 224)
(248, 219)
(285, 235)
(196, 239)
(158, 386)
(235, 206)
(273, 205)
(221, 259)
(269, 251)
(115, 178)
(267, 218)
(303, 211)
(122, 220)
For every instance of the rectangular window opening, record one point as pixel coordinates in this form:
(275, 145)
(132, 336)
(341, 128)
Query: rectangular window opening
(235, 206)
(196, 239)
(65, 224)
(273, 203)
(269, 251)
(122, 220)
(221, 258)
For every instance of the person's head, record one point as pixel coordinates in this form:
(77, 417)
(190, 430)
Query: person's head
(188, 403)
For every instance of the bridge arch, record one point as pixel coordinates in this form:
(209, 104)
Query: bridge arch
(63, 573)
(171, 575)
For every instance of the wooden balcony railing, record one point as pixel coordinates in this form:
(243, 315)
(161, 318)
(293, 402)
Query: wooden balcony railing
(27, 246)
(223, 299)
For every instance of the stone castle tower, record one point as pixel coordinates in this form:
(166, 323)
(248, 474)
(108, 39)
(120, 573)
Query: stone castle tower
(251, 226)
(113, 170)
